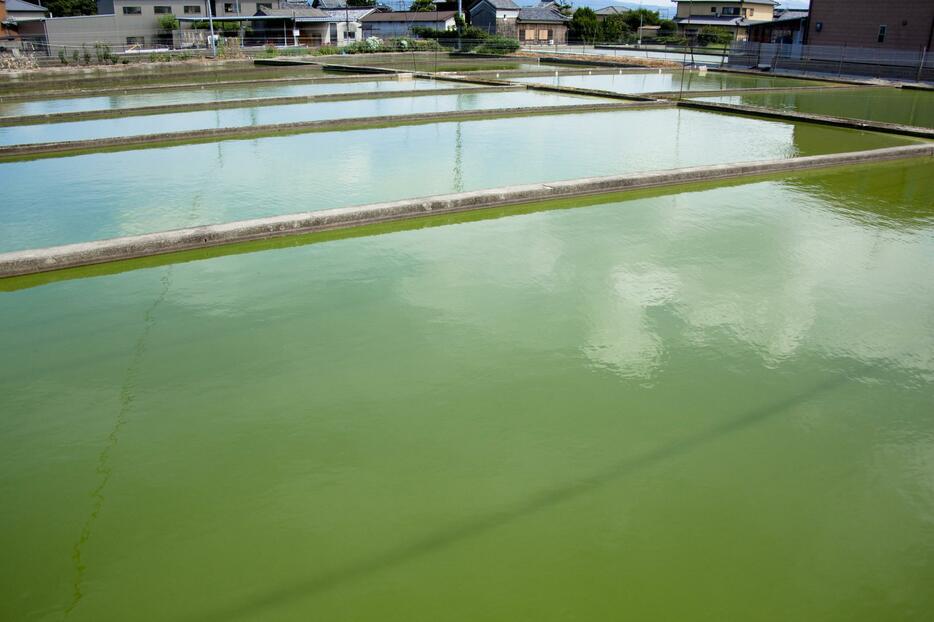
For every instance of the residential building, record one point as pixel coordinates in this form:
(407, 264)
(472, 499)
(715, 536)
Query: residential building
(346, 24)
(400, 23)
(20, 22)
(735, 17)
(606, 12)
(788, 27)
(495, 17)
(290, 26)
(893, 24)
(542, 25)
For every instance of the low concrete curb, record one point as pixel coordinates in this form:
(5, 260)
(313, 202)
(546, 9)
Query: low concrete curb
(72, 255)
(254, 131)
(112, 113)
(785, 115)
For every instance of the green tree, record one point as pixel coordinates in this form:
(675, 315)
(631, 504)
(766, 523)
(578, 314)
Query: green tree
(643, 16)
(613, 29)
(422, 5)
(70, 8)
(584, 24)
(168, 22)
(667, 27)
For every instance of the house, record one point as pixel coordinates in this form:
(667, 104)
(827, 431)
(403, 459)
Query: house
(788, 27)
(346, 25)
(735, 17)
(893, 24)
(497, 17)
(292, 26)
(21, 22)
(542, 25)
(400, 23)
(605, 12)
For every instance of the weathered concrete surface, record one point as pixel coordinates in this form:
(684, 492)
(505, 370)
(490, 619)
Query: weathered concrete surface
(72, 255)
(253, 131)
(787, 115)
(112, 113)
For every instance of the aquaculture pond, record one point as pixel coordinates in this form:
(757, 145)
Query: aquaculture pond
(292, 113)
(709, 405)
(588, 50)
(214, 93)
(104, 78)
(102, 195)
(656, 81)
(890, 105)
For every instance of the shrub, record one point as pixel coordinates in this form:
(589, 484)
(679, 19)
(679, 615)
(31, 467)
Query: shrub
(168, 22)
(714, 36)
(62, 57)
(103, 53)
(497, 45)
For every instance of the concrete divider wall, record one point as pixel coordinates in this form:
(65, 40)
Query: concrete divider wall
(59, 257)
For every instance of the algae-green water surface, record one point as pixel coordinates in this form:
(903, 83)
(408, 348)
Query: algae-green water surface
(660, 81)
(712, 405)
(102, 195)
(889, 105)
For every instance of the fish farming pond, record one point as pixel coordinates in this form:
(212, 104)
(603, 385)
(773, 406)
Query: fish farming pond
(583, 406)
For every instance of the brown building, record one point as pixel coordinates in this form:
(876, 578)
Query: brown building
(892, 24)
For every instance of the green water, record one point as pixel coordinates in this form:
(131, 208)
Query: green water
(889, 105)
(651, 82)
(212, 94)
(95, 80)
(102, 195)
(713, 405)
(292, 113)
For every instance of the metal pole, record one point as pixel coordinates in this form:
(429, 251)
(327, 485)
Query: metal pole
(924, 55)
(211, 26)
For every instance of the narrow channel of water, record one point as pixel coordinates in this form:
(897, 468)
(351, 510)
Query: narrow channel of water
(657, 81)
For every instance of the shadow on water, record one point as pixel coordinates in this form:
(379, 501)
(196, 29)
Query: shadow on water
(538, 502)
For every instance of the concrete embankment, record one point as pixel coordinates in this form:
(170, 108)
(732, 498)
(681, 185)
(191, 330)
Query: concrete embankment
(121, 143)
(111, 113)
(73, 255)
(787, 115)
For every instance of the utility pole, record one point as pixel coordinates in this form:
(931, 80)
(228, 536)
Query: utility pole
(211, 26)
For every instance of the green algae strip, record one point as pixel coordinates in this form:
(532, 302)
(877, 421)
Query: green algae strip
(149, 141)
(112, 113)
(427, 221)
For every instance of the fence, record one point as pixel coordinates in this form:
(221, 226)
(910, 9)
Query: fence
(835, 60)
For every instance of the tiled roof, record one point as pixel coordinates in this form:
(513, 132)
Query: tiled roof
(306, 14)
(410, 16)
(536, 14)
(612, 10)
(504, 4)
(19, 6)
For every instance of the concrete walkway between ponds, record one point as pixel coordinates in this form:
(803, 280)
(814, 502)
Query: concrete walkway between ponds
(56, 258)
(112, 113)
(121, 143)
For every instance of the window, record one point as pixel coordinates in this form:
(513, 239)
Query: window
(522, 35)
(192, 9)
(132, 10)
(162, 10)
(752, 12)
(713, 9)
(135, 40)
(732, 11)
(819, 26)
(882, 34)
